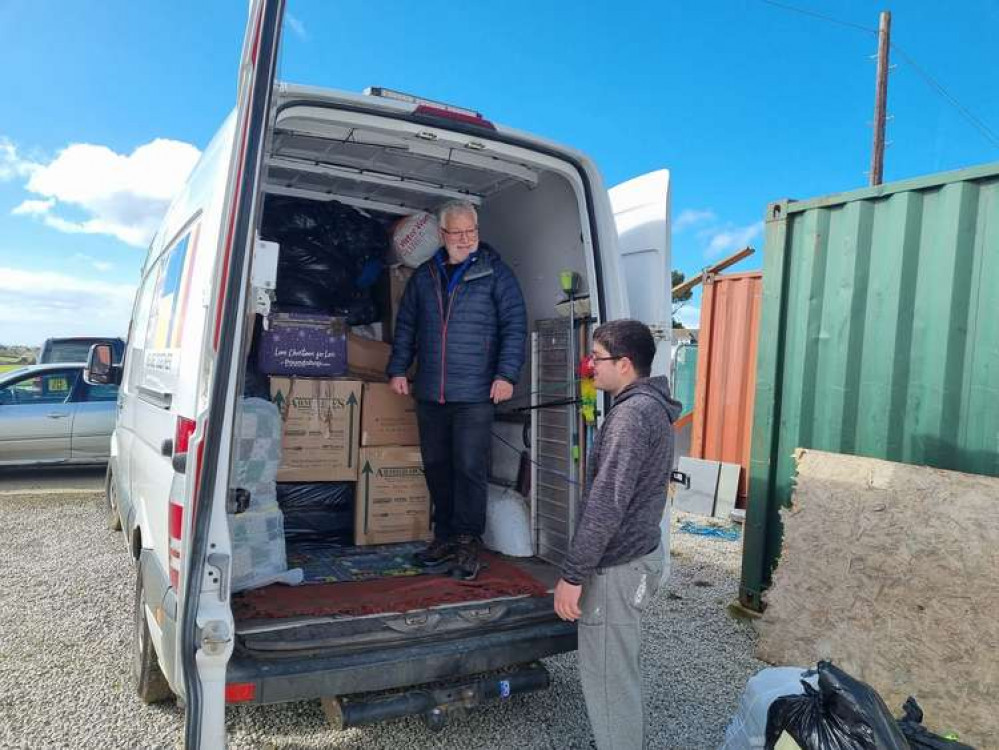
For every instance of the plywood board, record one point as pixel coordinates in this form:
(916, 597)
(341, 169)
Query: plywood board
(892, 571)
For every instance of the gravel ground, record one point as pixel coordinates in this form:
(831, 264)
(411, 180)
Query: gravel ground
(65, 622)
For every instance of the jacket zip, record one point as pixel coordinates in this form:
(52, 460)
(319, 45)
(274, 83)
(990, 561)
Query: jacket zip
(445, 319)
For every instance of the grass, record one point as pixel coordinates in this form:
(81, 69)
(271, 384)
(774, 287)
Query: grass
(4, 367)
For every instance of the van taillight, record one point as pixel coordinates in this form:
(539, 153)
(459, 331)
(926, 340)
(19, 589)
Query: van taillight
(176, 523)
(182, 434)
(240, 692)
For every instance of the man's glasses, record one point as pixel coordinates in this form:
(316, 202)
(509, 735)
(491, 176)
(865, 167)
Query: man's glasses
(464, 234)
(595, 358)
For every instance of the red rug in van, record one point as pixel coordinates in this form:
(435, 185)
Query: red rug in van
(500, 578)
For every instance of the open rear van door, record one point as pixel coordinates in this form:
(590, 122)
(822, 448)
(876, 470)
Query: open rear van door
(206, 626)
(641, 212)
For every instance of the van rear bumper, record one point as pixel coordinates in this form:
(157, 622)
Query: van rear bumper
(315, 676)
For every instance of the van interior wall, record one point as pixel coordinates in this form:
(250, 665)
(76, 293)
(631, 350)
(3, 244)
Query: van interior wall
(537, 232)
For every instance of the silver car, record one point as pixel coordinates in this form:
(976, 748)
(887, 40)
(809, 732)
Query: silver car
(48, 414)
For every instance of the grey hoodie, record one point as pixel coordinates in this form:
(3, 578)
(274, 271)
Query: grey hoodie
(627, 478)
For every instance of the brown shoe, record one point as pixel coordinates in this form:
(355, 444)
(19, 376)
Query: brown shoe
(437, 552)
(468, 562)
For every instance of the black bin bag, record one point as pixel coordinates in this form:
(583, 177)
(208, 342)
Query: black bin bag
(919, 737)
(331, 255)
(843, 714)
(317, 511)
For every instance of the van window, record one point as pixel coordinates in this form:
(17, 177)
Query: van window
(166, 311)
(137, 334)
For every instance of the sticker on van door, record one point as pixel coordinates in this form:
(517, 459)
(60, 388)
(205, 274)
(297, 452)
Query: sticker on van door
(165, 331)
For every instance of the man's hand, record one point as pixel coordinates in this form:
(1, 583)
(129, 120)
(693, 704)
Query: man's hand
(567, 600)
(400, 385)
(501, 391)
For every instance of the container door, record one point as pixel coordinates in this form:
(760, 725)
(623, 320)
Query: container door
(206, 627)
(641, 212)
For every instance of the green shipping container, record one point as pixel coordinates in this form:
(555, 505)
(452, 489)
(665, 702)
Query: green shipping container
(684, 384)
(879, 337)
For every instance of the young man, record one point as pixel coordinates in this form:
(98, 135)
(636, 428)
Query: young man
(462, 317)
(615, 562)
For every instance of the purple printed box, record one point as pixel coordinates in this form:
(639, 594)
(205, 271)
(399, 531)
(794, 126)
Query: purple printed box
(307, 344)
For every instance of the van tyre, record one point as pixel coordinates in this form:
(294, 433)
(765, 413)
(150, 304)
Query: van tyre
(150, 684)
(113, 517)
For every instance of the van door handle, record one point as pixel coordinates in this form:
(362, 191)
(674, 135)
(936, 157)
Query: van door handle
(57, 415)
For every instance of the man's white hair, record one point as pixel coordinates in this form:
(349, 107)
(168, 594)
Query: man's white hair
(456, 207)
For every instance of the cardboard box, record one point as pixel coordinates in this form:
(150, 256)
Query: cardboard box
(320, 428)
(393, 504)
(398, 277)
(367, 359)
(304, 344)
(387, 418)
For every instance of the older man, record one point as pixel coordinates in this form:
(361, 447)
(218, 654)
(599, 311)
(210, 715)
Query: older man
(462, 317)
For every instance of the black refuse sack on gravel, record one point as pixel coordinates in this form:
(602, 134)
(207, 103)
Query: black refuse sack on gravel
(919, 737)
(317, 511)
(843, 714)
(331, 256)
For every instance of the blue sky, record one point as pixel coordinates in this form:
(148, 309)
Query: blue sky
(107, 105)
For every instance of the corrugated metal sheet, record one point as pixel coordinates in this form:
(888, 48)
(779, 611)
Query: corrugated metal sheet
(879, 337)
(726, 375)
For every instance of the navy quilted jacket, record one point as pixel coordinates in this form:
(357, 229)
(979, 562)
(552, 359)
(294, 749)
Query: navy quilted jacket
(464, 340)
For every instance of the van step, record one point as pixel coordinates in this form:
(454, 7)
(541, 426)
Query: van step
(434, 702)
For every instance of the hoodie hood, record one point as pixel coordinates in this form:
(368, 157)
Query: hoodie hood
(657, 388)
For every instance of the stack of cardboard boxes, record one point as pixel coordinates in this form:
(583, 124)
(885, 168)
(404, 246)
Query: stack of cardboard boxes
(347, 426)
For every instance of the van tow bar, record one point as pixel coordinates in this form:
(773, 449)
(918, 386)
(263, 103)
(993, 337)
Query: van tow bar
(436, 701)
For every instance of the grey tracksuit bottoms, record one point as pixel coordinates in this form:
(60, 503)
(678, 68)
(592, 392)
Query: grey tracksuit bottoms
(610, 641)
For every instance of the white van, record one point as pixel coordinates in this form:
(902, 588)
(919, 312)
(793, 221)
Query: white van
(543, 206)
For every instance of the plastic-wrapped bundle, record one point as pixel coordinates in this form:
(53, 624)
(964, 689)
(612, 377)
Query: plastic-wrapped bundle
(508, 525)
(317, 511)
(331, 256)
(258, 443)
(257, 538)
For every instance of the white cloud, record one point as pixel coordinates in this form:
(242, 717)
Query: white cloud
(296, 25)
(729, 240)
(100, 265)
(11, 163)
(691, 216)
(35, 305)
(124, 196)
(689, 316)
(33, 208)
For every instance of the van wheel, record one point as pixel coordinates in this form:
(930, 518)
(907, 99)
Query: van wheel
(113, 517)
(150, 684)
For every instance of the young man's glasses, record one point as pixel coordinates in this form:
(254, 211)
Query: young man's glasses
(464, 234)
(595, 358)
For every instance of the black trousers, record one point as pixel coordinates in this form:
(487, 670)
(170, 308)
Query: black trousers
(455, 441)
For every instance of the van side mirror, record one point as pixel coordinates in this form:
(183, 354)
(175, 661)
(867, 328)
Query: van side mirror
(100, 369)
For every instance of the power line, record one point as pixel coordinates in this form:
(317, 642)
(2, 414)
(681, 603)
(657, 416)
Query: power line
(980, 126)
(950, 98)
(813, 14)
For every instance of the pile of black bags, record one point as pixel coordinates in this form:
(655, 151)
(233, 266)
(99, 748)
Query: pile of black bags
(847, 714)
(331, 256)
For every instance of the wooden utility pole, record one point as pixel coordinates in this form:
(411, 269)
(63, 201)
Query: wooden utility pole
(881, 99)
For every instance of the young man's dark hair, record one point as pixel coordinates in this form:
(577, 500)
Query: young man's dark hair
(631, 339)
